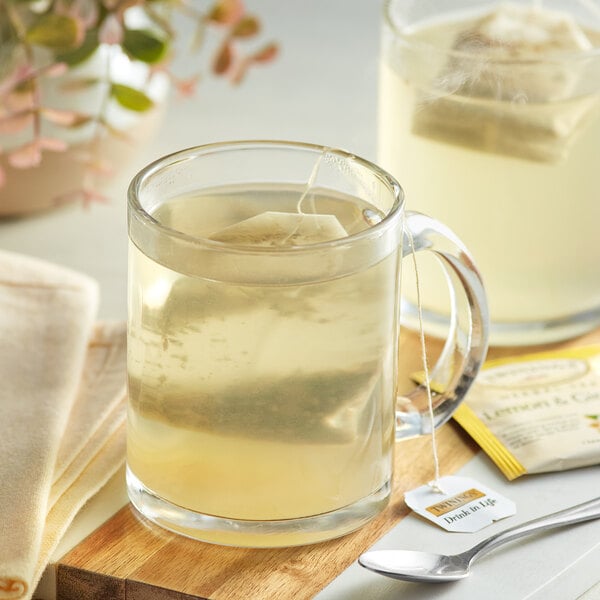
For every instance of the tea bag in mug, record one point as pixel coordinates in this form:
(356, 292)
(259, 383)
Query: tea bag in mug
(332, 405)
(276, 228)
(273, 228)
(232, 408)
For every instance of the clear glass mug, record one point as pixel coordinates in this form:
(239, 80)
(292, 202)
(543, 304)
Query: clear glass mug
(503, 149)
(263, 340)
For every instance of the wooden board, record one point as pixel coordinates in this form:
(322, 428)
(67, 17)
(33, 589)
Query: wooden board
(130, 558)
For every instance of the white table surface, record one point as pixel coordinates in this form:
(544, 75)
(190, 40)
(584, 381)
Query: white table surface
(561, 565)
(322, 89)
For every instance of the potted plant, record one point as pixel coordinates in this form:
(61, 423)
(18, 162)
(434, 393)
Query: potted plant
(82, 81)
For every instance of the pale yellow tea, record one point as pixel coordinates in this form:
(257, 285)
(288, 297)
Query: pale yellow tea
(257, 395)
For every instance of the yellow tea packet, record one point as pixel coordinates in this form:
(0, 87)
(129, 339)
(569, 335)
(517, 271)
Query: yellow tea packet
(536, 413)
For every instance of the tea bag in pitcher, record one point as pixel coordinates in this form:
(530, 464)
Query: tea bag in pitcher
(507, 88)
(515, 32)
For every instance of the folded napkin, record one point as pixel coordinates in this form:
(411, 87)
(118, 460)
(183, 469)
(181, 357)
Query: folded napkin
(62, 411)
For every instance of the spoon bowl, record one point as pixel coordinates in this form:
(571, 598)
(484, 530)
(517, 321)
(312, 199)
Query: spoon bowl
(416, 566)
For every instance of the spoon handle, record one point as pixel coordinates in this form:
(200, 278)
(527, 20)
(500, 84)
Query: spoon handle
(576, 514)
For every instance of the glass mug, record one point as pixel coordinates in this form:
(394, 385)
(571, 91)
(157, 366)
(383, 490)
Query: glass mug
(503, 148)
(263, 340)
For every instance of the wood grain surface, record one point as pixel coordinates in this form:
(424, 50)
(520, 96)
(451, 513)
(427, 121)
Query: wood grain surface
(130, 558)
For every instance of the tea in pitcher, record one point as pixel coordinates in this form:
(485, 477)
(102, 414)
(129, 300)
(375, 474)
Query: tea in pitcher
(491, 119)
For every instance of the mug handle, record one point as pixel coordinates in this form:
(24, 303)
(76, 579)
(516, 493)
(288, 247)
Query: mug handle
(466, 345)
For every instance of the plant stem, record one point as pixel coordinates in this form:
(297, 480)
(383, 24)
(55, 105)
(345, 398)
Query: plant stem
(19, 27)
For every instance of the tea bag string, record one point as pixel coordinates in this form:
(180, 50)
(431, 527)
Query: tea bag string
(307, 188)
(434, 484)
(311, 181)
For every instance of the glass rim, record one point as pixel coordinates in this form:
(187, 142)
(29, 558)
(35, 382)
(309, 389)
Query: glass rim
(156, 166)
(399, 33)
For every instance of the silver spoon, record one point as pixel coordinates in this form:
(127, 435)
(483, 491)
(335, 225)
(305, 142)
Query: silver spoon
(416, 566)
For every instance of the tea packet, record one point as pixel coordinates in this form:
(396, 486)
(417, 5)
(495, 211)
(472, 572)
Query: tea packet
(503, 89)
(537, 413)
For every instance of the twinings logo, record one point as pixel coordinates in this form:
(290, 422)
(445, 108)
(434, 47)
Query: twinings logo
(551, 371)
(454, 502)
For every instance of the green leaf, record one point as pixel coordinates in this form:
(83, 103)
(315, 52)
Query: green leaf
(57, 32)
(88, 47)
(131, 98)
(144, 45)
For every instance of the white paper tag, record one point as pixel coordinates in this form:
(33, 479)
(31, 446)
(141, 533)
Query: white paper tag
(464, 505)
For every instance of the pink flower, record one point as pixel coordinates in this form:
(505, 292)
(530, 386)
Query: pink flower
(227, 12)
(87, 11)
(91, 196)
(52, 144)
(19, 101)
(65, 118)
(30, 154)
(56, 69)
(15, 122)
(110, 4)
(100, 166)
(224, 58)
(26, 156)
(186, 87)
(18, 75)
(111, 31)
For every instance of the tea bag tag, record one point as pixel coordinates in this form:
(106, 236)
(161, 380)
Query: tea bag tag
(453, 503)
(459, 504)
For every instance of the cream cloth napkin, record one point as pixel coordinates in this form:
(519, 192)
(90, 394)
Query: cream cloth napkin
(62, 411)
